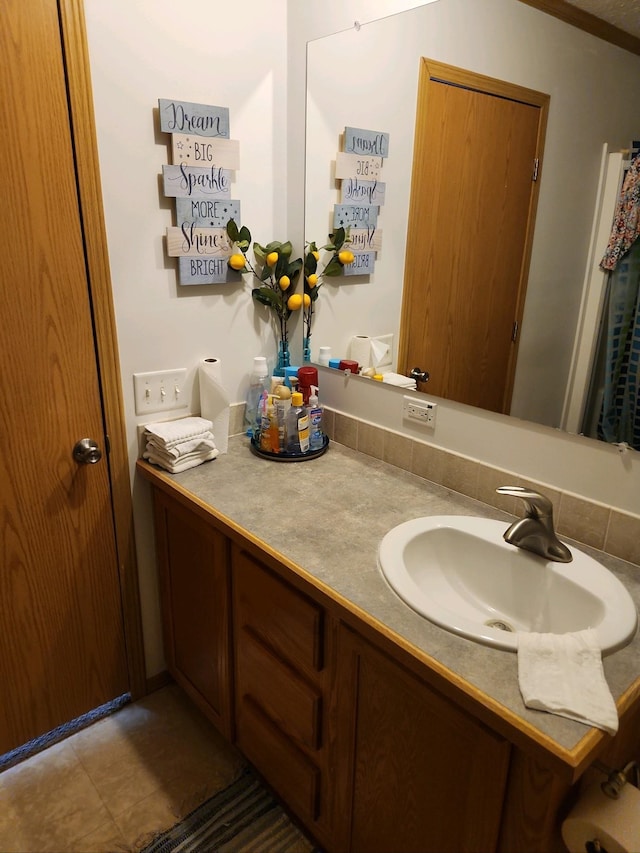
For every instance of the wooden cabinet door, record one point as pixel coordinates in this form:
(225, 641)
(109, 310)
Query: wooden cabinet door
(424, 775)
(193, 560)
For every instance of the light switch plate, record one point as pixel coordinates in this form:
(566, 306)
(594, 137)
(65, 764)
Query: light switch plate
(160, 391)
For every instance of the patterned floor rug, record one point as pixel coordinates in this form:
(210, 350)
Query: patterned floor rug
(243, 817)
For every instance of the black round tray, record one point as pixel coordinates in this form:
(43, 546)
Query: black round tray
(290, 457)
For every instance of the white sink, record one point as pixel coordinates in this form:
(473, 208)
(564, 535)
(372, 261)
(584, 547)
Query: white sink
(459, 573)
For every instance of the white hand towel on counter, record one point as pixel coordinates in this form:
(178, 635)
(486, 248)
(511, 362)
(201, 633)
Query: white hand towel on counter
(171, 433)
(179, 445)
(183, 463)
(400, 380)
(563, 674)
(203, 443)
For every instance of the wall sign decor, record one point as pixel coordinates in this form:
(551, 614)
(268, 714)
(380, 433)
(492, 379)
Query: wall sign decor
(359, 167)
(199, 179)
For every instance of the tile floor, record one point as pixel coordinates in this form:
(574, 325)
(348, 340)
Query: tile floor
(113, 785)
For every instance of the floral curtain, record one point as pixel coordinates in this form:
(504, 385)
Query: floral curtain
(619, 419)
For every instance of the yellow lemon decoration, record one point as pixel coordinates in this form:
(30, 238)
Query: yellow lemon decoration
(312, 280)
(346, 257)
(237, 261)
(306, 300)
(284, 282)
(272, 259)
(294, 301)
(316, 255)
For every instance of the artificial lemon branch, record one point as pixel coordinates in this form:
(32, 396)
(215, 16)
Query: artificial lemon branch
(274, 270)
(314, 278)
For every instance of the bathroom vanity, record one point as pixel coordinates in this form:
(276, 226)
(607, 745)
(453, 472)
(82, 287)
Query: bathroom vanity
(378, 730)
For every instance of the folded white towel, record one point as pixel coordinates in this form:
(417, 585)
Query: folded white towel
(562, 674)
(203, 443)
(171, 433)
(398, 379)
(175, 466)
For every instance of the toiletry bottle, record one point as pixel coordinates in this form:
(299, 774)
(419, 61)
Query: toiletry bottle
(316, 436)
(274, 434)
(297, 426)
(283, 406)
(257, 384)
(265, 425)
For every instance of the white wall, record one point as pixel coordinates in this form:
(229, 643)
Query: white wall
(249, 56)
(227, 54)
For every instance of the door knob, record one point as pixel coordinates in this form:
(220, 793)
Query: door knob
(87, 452)
(419, 375)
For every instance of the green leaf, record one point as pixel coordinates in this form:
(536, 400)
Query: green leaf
(244, 236)
(286, 249)
(265, 273)
(293, 269)
(232, 230)
(334, 267)
(338, 238)
(312, 291)
(281, 267)
(260, 252)
(310, 264)
(267, 296)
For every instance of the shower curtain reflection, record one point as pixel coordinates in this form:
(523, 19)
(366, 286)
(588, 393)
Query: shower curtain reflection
(612, 412)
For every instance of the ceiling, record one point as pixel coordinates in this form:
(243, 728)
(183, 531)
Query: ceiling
(624, 14)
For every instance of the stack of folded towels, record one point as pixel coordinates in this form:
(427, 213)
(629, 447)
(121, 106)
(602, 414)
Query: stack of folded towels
(179, 445)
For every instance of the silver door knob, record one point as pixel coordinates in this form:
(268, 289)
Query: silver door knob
(87, 452)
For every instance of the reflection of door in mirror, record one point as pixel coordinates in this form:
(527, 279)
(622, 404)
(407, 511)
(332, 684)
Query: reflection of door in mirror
(473, 199)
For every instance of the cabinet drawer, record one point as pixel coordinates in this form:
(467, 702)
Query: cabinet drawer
(288, 770)
(284, 619)
(286, 699)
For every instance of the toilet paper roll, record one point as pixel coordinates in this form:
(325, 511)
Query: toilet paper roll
(615, 823)
(214, 400)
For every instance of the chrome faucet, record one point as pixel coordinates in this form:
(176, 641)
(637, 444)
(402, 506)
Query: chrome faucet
(535, 531)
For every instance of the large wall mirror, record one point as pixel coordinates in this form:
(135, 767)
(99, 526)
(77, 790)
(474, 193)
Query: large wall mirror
(367, 77)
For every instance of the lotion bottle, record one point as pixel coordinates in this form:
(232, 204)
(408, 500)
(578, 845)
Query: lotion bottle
(258, 384)
(316, 436)
(297, 425)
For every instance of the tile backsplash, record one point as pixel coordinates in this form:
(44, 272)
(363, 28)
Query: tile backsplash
(602, 527)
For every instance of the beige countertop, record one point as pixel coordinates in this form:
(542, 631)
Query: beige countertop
(327, 516)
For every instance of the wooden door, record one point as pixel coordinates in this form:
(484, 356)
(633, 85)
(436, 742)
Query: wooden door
(62, 649)
(473, 199)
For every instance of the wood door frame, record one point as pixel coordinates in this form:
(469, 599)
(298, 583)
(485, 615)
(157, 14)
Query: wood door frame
(571, 14)
(77, 67)
(442, 72)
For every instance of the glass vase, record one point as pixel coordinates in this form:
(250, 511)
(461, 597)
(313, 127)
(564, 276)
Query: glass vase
(284, 359)
(306, 349)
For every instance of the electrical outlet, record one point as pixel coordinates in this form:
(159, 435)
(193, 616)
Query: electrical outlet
(160, 391)
(421, 411)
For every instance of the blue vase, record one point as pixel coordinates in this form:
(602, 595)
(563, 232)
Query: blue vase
(306, 350)
(284, 359)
